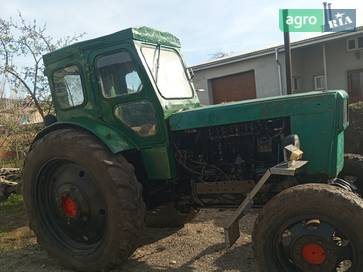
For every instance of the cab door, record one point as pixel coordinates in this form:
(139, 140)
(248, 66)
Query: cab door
(125, 97)
(128, 103)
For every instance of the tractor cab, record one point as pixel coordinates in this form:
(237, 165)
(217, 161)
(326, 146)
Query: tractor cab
(122, 87)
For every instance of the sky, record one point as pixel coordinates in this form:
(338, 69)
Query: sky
(204, 27)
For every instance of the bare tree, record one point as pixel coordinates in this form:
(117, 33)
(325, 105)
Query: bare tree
(22, 45)
(219, 55)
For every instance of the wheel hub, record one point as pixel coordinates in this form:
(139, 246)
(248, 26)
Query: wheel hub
(69, 206)
(314, 253)
(72, 201)
(313, 246)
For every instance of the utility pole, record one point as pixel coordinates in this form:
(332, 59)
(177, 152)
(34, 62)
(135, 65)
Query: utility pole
(287, 55)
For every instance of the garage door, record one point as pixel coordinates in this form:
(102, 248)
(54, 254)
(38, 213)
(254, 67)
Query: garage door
(234, 87)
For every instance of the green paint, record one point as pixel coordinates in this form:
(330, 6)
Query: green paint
(147, 34)
(159, 163)
(314, 116)
(317, 117)
(143, 34)
(112, 137)
(301, 20)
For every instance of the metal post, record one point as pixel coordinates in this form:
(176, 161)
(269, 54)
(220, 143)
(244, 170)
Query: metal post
(325, 69)
(278, 69)
(326, 14)
(329, 11)
(287, 56)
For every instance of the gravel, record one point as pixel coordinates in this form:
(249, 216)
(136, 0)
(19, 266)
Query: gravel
(198, 246)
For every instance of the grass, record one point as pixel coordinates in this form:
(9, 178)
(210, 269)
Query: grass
(14, 233)
(12, 214)
(13, 200)
(11, 163)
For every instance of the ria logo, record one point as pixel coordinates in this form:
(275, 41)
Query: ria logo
(339, 19)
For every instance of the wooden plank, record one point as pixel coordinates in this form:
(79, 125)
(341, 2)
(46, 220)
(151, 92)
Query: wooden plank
(224, 187)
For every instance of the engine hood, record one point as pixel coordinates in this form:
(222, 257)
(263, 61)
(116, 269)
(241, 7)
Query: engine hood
(309, 103)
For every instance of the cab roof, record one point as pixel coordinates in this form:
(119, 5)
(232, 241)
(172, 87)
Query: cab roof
(144, 34)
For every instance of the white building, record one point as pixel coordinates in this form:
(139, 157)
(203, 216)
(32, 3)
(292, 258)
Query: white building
(332, 61)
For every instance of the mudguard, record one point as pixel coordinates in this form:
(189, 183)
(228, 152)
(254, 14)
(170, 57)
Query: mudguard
(112, 139)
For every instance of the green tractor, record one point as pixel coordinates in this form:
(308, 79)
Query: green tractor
(130, 135)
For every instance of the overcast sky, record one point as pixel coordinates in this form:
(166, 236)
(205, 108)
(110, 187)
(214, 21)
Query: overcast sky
(204, 27)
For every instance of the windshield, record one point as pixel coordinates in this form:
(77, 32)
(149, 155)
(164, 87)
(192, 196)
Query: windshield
(168, 72)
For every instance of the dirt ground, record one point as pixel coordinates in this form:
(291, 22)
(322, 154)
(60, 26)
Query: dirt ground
(198, 246)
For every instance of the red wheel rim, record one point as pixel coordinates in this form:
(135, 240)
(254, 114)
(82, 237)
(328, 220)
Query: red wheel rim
(314, 254)
(69, 206)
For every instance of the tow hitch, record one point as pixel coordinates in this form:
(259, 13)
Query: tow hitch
(289, 167)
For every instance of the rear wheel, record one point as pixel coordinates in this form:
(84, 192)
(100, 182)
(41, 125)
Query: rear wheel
(312, 227)
(84, 203)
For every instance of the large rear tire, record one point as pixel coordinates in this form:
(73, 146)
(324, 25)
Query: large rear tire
(83, 202)
(311, 227)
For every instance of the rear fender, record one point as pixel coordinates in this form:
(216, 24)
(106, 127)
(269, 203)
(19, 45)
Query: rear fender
(109, 137)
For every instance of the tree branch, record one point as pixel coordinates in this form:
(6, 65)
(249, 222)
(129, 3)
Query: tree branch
(18, 77)
(36, 68)
(5, 51)
(47, 43)
(23, 41)
(21, 37)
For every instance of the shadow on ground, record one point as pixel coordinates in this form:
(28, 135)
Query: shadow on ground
(198, 246)
(239, 258)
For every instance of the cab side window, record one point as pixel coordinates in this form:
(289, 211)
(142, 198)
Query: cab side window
(68, 87)
(139, 116)
(117, 75)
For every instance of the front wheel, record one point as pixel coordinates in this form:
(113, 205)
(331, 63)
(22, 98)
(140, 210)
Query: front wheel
(311, 227)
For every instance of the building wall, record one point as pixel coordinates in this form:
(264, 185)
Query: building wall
(339, 62)
(266, 77)
(307, 62)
